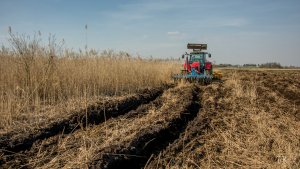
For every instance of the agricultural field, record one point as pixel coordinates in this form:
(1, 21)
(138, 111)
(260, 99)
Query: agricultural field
(173, 84)
(62, 109)
(59, 117)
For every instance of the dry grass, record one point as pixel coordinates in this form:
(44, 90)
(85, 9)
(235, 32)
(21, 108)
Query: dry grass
(34, 77)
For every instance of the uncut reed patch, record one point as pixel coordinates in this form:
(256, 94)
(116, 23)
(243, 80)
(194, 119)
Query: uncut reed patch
(34, 76)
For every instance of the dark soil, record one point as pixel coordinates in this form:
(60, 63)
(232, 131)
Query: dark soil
(195, 128)
(13, 142)
(152, 140)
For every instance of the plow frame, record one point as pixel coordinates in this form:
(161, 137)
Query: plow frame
(194, 76)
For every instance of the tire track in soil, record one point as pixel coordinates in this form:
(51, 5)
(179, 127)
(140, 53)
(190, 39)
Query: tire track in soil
(285, 85)
(199, 126)
(280, 85)
(10, 144)
(21, 159)
(279, 88)
(151, 141)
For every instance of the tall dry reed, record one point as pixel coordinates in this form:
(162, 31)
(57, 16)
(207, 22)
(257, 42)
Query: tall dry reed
(33, 74)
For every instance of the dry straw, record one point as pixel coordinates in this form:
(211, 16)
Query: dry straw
(34, 75)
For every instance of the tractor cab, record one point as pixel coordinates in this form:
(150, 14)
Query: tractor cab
(197, 59)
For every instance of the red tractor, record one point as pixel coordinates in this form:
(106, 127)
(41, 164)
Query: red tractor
(196, 66)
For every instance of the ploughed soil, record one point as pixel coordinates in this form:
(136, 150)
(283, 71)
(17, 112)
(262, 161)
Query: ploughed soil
(65, 123)
(251, 119)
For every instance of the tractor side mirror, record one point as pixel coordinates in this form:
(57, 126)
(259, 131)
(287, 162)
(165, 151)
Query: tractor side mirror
(182, 56)
(209, 55)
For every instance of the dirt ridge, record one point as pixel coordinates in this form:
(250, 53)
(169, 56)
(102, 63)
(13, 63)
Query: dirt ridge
(195, 128)
(96, 114)
(149, 142)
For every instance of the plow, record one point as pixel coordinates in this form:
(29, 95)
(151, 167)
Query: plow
(196, 67)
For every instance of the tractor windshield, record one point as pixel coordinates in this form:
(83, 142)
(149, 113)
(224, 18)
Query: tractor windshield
(197, 57)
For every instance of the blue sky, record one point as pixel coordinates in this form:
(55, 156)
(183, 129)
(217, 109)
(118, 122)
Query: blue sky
(236, 31)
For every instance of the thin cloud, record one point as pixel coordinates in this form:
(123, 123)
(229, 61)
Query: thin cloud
(144, 10)
(173, 33)
(236, 22)
(176, 35)
(145, 36)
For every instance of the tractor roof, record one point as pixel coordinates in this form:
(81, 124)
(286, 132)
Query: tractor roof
(197, 47)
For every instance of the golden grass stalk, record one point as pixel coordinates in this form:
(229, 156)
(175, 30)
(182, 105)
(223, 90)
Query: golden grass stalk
(33, 76)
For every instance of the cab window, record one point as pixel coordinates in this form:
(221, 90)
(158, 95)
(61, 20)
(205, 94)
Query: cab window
(197, 57)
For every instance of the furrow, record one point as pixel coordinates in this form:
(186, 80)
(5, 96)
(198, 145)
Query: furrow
(94, 114)
(50, 147)
(149, 141)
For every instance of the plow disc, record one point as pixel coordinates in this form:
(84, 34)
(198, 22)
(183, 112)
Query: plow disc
(193, 76)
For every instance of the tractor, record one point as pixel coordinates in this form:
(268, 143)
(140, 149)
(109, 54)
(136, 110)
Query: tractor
(196, 67)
